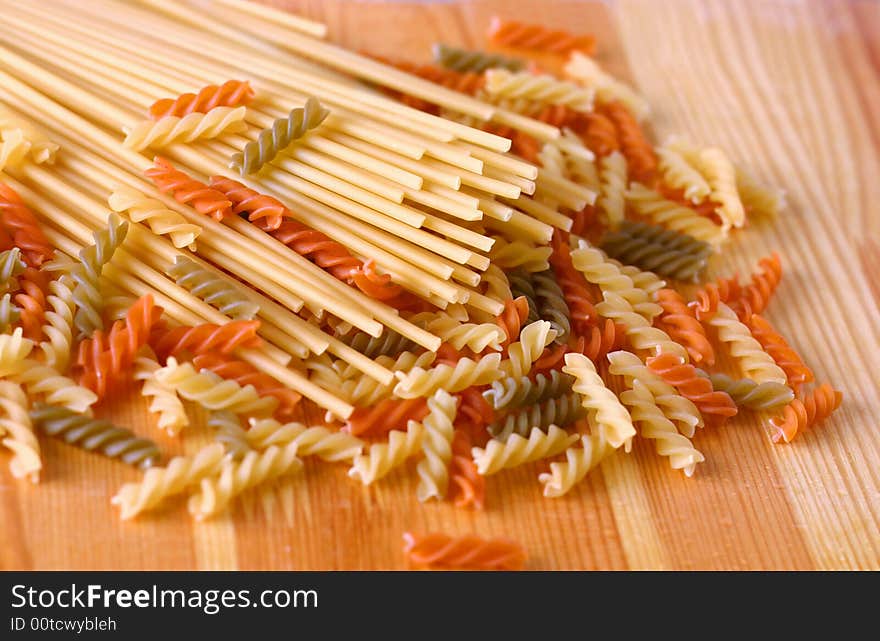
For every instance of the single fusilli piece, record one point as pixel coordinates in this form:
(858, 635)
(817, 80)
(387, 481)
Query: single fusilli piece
(9, 313)
(317, 440)
(754, 297)
(160, 483)
(14, 349)
(229, 433)
(757, 198)
(194, 126)
(561, 411)
(204, 199)
(672, 215)
(231, 93)
(514, 392)
(805, 411)
(244, 373)
(529, 258)
(31, 300)
(467, 488)
(58, 328)
(366, 390)
(612, 420)
(19, 138)
(164, 400)
(213, 392)
(433, 469)
(381, 458)
(217, 492)
(692, 386)
(518, 450)
(613, 182)
(477, 61)
(87, 293)
(444, 552)
(389, 343)
(541, 89)
(522, 354)
(551, 304)
(721, 176)
(206, 338)
(579, 461)
(497, 285)
(749, 394)
(475, 336)
(45, 382)
(17, 433)
(466, 372)
(679, 321)
(663, 251)
(780, 351)
(521, 287)
(751, 357)
(218, 291)
(654, 425)
(587, 72)
(639, 332)
(161, 220)
(678, 173)
(22, 228)
(272, 141)
(535, 37)
(11, 265)
(95, 435)
(675, 407)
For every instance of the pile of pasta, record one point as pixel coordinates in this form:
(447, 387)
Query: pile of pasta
(475, 264)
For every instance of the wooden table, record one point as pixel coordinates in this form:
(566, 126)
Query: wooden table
(787, 88)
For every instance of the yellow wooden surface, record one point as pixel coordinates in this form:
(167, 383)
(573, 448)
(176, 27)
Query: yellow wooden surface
(788, 88)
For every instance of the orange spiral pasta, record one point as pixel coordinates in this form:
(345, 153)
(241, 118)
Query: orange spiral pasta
(705, 302)
(692, 386)
(21, 227)
(34, 286)
(577, 293)
(511, 320)
(583, 221)
(231, 93)
(380, 287)
(679, 321)
(805, 411)
(553, 357)
(464, 82)
(204, 199)
(104, 357)
(204, 338)
(244, 373)
(796, 371)
(599, 134)
(599, 341)
(444, 552)
(755, 296)
(259, 207)
(707, 208)
(474, 412)
(563, 116)
(467, 487)
(386, 415)
(533, 37)
(639, 152)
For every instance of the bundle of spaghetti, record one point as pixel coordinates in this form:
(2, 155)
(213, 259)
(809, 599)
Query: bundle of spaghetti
(518, 450)
(754, 297)
(14, 349)
(9, 313)
(678, 173)
(597, 269)
(95, 435)
(221, 293)
(675, 407)
(161, 220)
(612, 420)
(804, 411)
(160, 483)
(275, 139)
(382, 458)
(20, 225)
(365, 391)
(218, 490)
(463, 60)
(523, 353)
(102, 359)
(611, 204)
(467, 488)
(165, 402)
(656, 208)
(246, 374)
(465, 373)
(511, 320)
(229, 433)
(232, 93)
(31, 300)
(477, 337)
(746, 351)
(662, 251)
(87, 275)
(213, 392)
(433, 468)
(205, 338)
(534, 37)
(444, 552)
(679, 321)
(541, 89)
(706, 300)
(654, 425)
(510, 254)
(747, 393)
(46, 382)
(11, 266)
(757, 198)
(586, 71)
(638, 151)
(316, 440)
(17, 433)
(578, 295)
(561, 411)
(515, 392)
(692, 386)
(796, 371)
(386, 415)
(187, 190)
(579, 461)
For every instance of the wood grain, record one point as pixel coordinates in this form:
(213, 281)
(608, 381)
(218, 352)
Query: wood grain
(790, 89)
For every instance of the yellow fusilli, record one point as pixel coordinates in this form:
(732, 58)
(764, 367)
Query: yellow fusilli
(611, 419)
